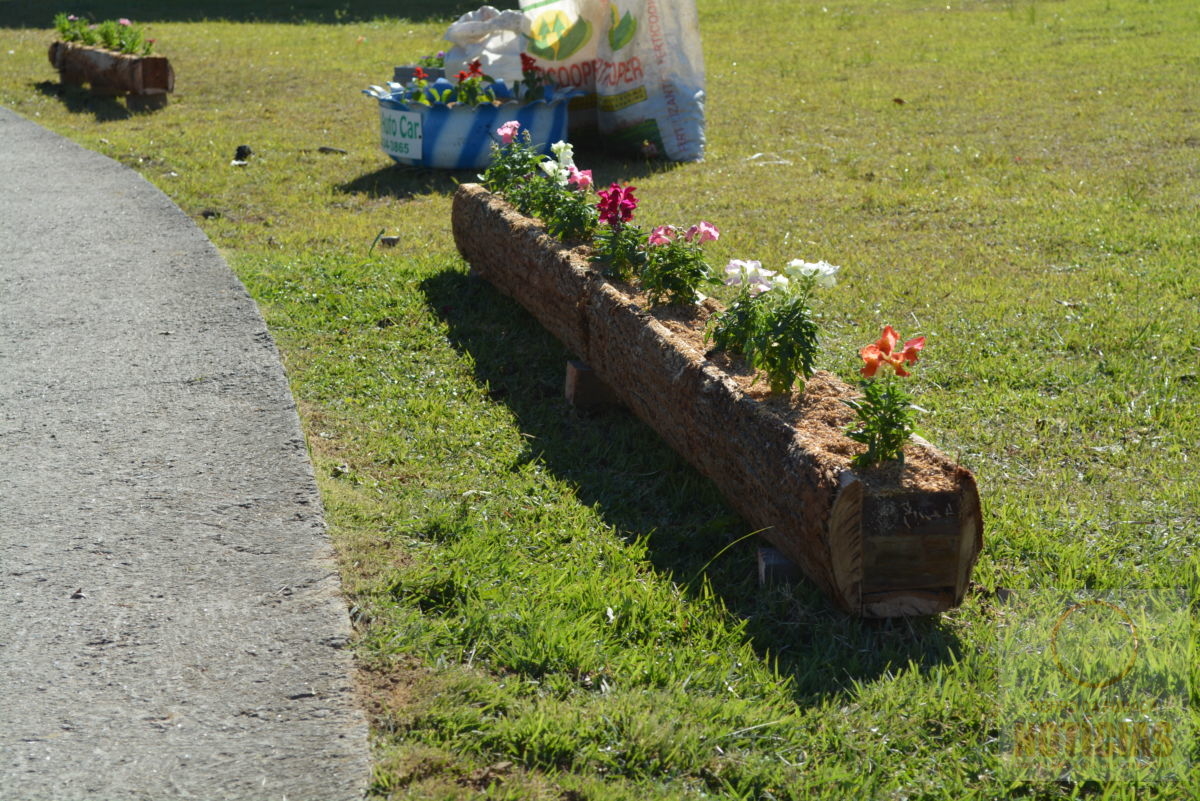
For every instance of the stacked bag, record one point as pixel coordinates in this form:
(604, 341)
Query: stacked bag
(638, 63)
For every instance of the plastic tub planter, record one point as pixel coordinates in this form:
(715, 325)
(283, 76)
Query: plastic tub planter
(457, 136)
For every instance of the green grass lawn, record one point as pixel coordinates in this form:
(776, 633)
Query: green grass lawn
(537, 611)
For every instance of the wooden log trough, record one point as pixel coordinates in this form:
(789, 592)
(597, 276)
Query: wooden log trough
(144, 81)
(886, 542)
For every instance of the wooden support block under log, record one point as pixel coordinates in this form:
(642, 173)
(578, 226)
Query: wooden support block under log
(585, 390)
(775, 568)
(891, 541)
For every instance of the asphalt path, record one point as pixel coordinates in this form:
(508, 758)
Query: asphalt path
(171, 623)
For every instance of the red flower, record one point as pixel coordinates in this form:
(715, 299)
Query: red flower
(883, 352)
(420, 74)
(462, 76)
(528, 63)
(617, 204)
(475, 69)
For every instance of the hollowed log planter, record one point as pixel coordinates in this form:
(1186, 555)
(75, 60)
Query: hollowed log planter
(884, 542)
(144, 81)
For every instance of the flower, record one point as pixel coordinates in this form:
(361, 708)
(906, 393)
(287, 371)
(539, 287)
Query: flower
(736, 269)
(124, 22)
(533, 83)
(555, 171)
(72, 18)
(462, 76)
(564, 152)
(420, 74)
(617, 204)
(508, 131)
(661, 235)
(582, 179)
(822, 273)
(475, 69)
(560, 169)
(704, 231)
(882, 352)
(552, 169)
(752, 275)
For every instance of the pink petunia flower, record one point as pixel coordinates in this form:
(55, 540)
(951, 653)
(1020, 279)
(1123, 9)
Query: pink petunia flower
(704, 231)
(508, 131)
(662, 235)
(582, 179)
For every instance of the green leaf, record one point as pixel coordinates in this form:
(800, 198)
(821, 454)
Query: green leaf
(555, 41)
(623, 32)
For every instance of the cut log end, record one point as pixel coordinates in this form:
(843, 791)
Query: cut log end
(901, 551)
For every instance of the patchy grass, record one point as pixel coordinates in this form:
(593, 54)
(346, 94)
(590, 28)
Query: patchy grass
(1014, 180)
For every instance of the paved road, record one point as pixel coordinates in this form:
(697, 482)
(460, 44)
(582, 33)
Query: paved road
(171, 624)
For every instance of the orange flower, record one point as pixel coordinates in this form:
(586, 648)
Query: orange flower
(883, 352)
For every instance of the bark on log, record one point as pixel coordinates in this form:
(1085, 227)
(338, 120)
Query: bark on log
(112, 73)
(885, 542)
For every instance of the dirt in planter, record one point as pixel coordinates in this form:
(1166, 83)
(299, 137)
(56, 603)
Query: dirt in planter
(818, 414)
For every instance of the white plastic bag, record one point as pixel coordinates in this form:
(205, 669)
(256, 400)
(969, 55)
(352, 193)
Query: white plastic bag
(494, 38)
(641, 59)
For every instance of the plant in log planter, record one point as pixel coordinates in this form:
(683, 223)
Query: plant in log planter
(770, 323)
(884, 410)
(554, 189)
(883, 536)
(113, 58)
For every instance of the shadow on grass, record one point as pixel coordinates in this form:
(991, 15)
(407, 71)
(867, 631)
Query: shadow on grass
(81, 101)
(23, 14)
(620, 467)
(405, 182)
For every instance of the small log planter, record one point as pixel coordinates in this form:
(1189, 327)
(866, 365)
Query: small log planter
(886, 542)
(144, 81)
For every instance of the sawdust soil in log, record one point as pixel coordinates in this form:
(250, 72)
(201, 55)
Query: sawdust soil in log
(818, 414)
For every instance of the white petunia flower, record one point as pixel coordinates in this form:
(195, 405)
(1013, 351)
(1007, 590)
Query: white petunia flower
(556, 171)
(564, 152)
(823, 273)
(752, 275)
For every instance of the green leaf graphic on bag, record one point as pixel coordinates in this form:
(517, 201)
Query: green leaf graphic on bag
(555, 38)
(621, 33)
